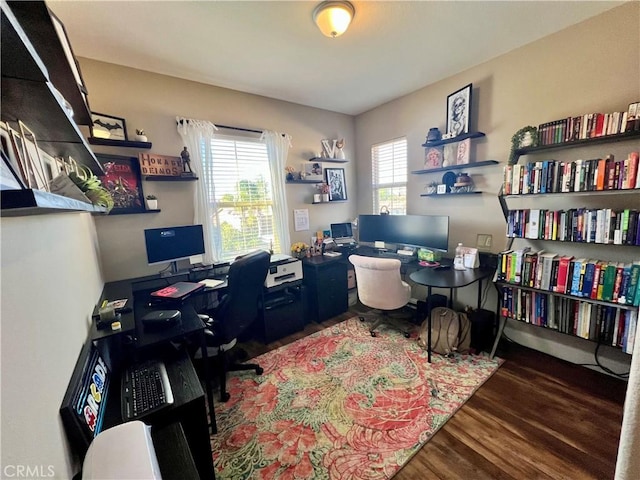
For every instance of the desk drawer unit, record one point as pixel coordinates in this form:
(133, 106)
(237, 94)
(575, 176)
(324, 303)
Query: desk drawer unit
(326, 289)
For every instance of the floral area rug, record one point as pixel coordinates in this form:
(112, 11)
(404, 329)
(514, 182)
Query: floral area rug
(340, 404)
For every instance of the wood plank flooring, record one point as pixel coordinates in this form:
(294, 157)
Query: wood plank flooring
(537, 417)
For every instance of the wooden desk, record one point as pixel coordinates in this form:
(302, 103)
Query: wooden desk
(449, 278)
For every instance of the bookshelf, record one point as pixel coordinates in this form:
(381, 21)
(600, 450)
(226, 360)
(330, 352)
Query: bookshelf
(573, 270)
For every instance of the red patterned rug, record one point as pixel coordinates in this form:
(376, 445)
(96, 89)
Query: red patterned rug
(340, 404)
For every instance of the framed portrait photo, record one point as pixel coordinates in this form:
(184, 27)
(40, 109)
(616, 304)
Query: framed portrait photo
(108, 126)
(312, 171)
(337, 184)
(459, 111)
(122, 179)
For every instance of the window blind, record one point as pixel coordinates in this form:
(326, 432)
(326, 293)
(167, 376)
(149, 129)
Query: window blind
(389, 176)
(239, 179)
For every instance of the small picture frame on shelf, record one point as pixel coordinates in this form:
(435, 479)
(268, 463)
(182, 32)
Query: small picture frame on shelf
(462, 155)
(459, 111)
(433, 157)
(108, 126)
(312, 171)
(9, 177)
(337, 184)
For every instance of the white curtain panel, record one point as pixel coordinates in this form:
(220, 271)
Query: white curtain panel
(628, 461)
(278, 145)
(196, 136)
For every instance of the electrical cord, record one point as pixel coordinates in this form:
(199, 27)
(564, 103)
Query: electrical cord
(624, 375)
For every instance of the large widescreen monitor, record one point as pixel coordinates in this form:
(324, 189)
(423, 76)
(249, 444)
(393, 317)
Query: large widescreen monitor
(427, 231)
(170, 244)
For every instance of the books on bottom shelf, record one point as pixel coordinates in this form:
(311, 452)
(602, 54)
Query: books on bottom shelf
(607, 324)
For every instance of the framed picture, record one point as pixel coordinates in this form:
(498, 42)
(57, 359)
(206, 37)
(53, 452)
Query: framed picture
(122, 179)
(459, 111)
(463, 153)
(312, 171)
(9, 177)
(433, 157)
(337, 184)
(108, 126)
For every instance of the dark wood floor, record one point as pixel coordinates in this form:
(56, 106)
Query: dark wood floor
(537, 417)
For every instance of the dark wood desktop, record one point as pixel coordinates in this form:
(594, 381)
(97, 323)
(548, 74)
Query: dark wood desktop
(134, 342)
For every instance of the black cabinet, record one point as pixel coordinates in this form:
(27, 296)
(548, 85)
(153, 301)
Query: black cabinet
(326, 282)
(282, 311)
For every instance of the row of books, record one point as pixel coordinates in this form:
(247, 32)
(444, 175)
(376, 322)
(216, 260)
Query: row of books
(552, 176)
(608, 324)
(589, 125)
(586, 225)
(615, 282)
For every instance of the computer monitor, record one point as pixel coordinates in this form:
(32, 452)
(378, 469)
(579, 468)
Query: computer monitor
(427, 231)
(341, 230)
(170, 244)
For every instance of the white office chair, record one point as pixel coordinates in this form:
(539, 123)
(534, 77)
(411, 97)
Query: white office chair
(381, 288)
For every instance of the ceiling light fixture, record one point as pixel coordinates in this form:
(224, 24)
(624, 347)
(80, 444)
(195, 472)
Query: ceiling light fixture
(333, 18)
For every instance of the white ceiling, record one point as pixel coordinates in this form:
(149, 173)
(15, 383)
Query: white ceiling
(274, 49)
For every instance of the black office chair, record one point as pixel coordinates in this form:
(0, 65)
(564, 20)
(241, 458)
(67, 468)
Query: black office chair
(238, 309)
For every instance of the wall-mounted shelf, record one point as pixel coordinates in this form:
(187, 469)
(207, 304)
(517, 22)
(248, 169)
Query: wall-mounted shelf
(135, 213)
(463, 166)
(588, 193)
(457, 139)
(119, 143)
(620, 137)
(167, 178)
(38, 202)
(306, 181)
(328, 160)
(450, 194)
(327, 203)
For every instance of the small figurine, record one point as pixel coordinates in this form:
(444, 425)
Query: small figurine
(186, 161)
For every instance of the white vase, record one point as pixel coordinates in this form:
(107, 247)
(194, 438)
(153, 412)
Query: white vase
(141, 138)
(152, 204)
(325, 197)
(317, 198)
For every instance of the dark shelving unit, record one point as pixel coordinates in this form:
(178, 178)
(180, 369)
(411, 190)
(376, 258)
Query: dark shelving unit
(157, 210)
(328, 160)
(305, 181)
(449, 194)
(38, 202)
(463, 166)
(620, 137)
(166, 178)
(119, 143)
(459, 138)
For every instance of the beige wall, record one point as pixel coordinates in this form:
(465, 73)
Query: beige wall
(50, 283)
(151, 101)
(591, 67)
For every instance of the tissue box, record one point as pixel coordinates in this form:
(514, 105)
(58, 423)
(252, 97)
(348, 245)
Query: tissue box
(427, 255)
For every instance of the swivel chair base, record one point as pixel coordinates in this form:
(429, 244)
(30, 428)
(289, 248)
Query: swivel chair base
(385, 318)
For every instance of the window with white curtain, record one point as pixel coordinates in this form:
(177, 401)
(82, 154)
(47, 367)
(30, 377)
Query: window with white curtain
(389, 176)
(239, 180)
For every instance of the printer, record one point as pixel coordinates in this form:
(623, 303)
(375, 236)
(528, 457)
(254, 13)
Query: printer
(283, 269)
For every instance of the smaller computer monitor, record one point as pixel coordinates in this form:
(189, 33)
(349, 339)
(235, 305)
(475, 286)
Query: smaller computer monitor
(170, 244)
(341, 230)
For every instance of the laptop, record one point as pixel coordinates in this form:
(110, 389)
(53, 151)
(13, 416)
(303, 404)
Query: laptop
(342, 234)
(177, 291)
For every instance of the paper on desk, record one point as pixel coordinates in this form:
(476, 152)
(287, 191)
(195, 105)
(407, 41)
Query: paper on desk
(211, 283)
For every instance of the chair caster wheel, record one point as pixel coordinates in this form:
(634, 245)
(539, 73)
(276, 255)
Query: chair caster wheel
(361, 319)
(374, 334)
(225, 397)
(259, 371)
(407, 335)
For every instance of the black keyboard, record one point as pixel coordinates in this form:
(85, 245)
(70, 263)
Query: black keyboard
(145, 389)
(397, 256)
